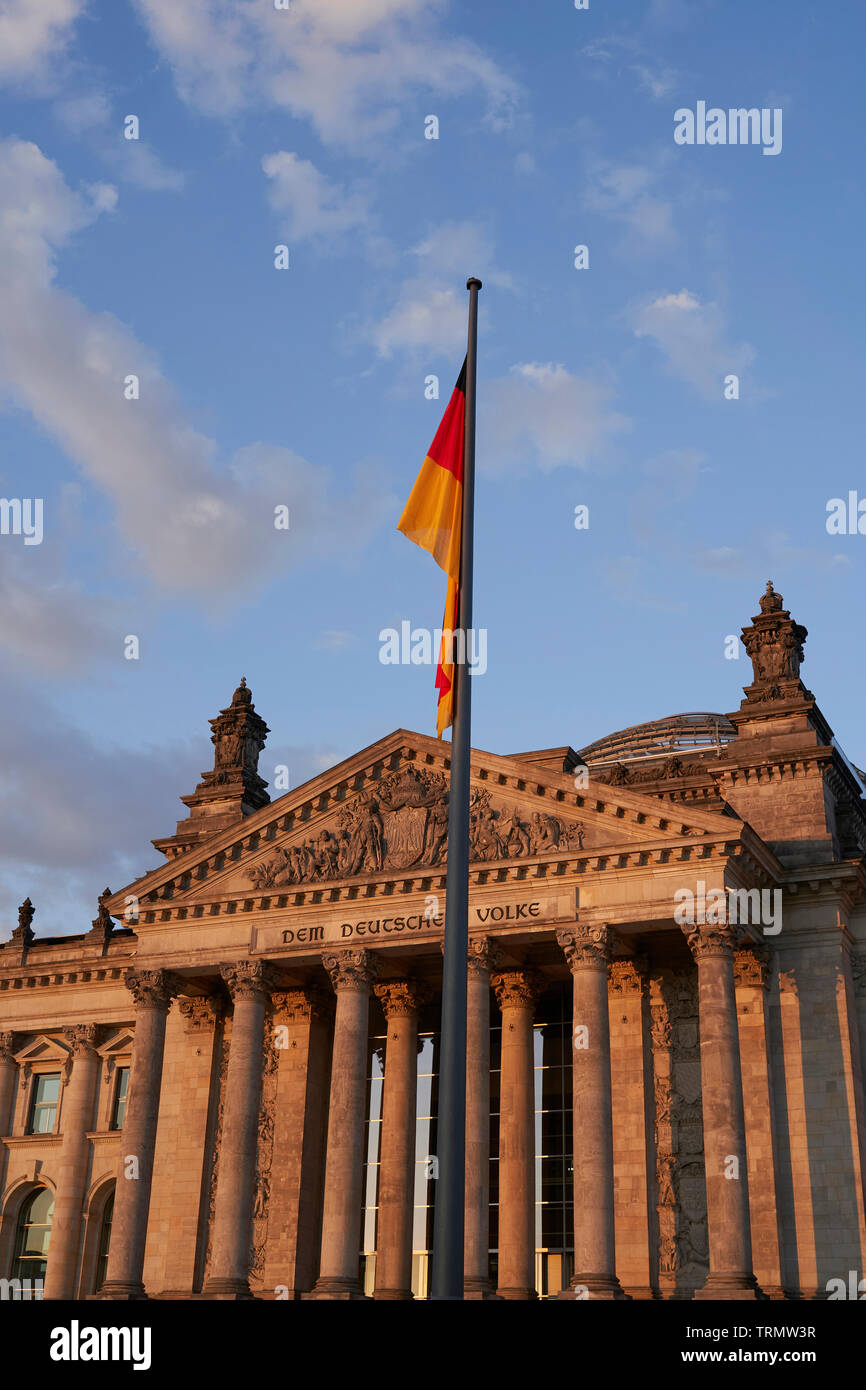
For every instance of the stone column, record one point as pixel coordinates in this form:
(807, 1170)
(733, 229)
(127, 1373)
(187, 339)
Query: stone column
(632, 1084)
(751, 982)
(516, 994)
(352, 973)
(76, 1118)
(401, 1001)
(302, 1017)
(249, 983)
(484, 956)
(153, 991)
(727, 1180)
(588, 950)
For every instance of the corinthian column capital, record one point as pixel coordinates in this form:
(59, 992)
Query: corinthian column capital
(7, 1047)
(249, 979)
(402, 998)
(707, 940)
(484, 955)
(517, 989)
(152, 989)
(83, 1038)
(586, 947)
(355, 968)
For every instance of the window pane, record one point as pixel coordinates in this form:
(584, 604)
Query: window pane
(47, 1087)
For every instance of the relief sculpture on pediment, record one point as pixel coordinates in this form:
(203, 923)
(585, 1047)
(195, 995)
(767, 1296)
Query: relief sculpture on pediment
(404, 824)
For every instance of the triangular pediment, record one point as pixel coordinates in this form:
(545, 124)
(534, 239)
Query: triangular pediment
(43, 1049)
(118, 1044)
(384, 811)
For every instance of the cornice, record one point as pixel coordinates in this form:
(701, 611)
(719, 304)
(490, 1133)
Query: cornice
(14, 977)
(744, 846)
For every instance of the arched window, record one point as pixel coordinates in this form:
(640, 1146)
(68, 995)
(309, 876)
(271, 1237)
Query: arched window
(104, 1242)
(33, 1236)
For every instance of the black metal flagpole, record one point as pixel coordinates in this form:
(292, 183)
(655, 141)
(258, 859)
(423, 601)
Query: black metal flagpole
(447, 1280)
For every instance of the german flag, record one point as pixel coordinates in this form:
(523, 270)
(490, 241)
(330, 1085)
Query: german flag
(433, 519)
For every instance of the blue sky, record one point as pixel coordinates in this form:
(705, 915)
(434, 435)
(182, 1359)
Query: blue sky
(305, 386)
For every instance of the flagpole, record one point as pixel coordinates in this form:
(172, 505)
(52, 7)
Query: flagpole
(447, 1278)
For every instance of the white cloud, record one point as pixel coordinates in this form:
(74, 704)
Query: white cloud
(428, 313)
(693, 338)
(133, 161)
(424, 318)
(316, 206)
(137, 163)
(543, 414)
(32, 32)
(47, 626)
(190, 522)
(347, 66)
(626, 192)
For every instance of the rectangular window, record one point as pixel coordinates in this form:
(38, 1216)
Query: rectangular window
(43, 1109)
(120, 1090)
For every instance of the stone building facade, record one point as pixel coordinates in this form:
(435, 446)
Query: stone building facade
(228, 1085)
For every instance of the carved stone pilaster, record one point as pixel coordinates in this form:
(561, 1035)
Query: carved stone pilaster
(517, 989)
(249, 979)
(752, 967)
(628, 974)
(152, 989)
(402, 998)
(858, 971)
(7, 1047)
(301, 1005)
(354, 968)
(202, 1012)
(586, 947)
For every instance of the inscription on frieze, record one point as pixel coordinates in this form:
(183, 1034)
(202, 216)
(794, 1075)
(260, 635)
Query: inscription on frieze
(409, 924)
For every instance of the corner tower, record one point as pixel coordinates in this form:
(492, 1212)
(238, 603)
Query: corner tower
(233, 787)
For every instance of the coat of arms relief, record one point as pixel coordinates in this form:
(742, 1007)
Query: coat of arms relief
(403, 824)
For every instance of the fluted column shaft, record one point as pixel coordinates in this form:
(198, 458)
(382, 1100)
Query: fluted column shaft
(352, 973)
(483, 956)
(728, 1224)
(76, 1118)
(588, 950)
(401, 1001)
(153, 991)
(516, 993)
(249, 983)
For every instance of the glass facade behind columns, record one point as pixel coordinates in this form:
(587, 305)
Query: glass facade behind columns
(425, 1149)
(554, 1195)
(554, 1172)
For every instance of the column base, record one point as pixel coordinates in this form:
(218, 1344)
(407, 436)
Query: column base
(516, 1295)
(474, 1289)
(394, 1295)
(736, 1285)
(342, 1289)
(594, 1288)
(233, 1290)
(121, 1292)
